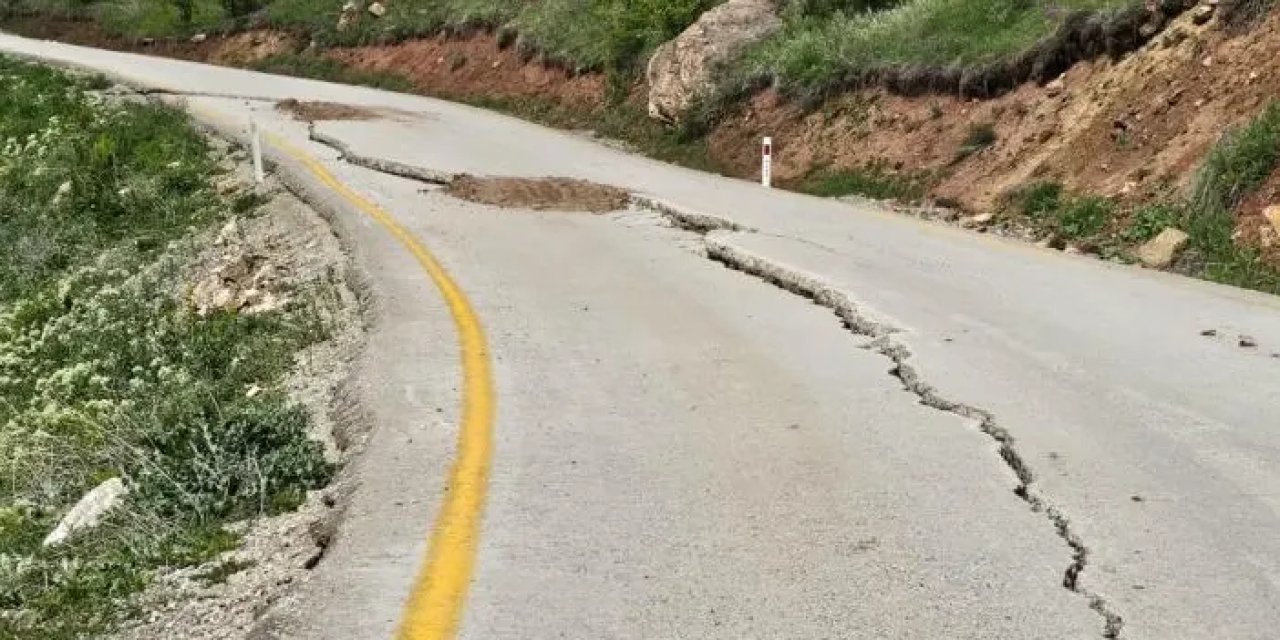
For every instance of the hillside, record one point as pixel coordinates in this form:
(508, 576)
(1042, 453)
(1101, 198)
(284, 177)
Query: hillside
(1088, 125)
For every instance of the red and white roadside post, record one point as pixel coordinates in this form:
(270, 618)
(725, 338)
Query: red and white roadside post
(766, 163)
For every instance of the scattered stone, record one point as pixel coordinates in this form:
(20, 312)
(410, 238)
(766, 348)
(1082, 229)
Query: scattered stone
(1073, 250)
(1136, 498)
(1055, 87)
(88, 511)
(230, 233)
(1247, 342)
(1162, 250)
(980, 220)
(1272, 214)
(681, 70)
(1207, 62)
(64, 190)
(199, 37)
(377, 9)
(1202, 14)
(243, 283)
(1209, 333)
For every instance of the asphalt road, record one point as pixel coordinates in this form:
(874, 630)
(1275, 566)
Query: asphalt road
(1005, 442)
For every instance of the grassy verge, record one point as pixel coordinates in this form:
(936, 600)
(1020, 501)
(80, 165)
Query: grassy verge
(935, 43)
(1237, 165)
(601, 35)
(873, 181)
(106, 373)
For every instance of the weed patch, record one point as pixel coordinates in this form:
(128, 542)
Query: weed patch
(980, 136)
(874, 181)
(106, 373)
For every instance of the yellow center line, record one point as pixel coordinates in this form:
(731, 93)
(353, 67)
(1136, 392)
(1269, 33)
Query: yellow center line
(434, 608)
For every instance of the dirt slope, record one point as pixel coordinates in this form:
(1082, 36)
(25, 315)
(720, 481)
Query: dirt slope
(1126, 128)
(1132, 128)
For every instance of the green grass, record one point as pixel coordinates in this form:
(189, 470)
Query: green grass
(1241, 161)
(589, 34)
(874, 181)
(320, 68)
(980, 136)
(104, 370)
(812, 53)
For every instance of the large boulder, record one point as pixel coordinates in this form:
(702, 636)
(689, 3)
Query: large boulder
(682, 70)
(1162, 250)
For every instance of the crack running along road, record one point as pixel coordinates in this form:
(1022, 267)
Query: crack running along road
(1100, 371)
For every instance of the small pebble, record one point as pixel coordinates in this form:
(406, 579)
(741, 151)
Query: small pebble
(1247, 342)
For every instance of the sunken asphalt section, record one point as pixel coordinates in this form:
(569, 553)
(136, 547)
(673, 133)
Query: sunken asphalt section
(987, 440)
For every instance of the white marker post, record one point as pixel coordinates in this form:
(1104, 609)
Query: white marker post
(766, 163)
(256, 143)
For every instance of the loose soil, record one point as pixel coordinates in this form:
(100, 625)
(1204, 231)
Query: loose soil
(558, 194)
(475, 66)
(314, 111)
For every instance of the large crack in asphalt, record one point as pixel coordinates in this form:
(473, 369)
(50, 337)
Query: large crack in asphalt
(880, 341)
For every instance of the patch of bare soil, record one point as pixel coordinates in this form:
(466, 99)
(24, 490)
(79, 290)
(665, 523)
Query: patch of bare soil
(558, 194)
(475, 66)
(314, 111)
(1131, 128)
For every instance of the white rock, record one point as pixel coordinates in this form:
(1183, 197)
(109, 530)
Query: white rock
(1272, 214)
(88, 511)
(229, 234)
(1162, 250)
(979, 220)
(199, 37)
(378, 9)
(682, 69)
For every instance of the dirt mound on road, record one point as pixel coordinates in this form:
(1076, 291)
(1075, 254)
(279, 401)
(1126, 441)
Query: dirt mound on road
(313, 111)
(558, 194)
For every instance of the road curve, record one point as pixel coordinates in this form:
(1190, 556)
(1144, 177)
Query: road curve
(865, 427)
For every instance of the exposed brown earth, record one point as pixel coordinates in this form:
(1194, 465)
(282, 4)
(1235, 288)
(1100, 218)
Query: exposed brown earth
(1133, 128)
(475, 66)
(559, 194)
(313, 111)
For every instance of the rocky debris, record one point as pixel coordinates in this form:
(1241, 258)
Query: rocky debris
(230, 234)
(978, 221)
(377, 9)
(1247, 342)
(1202, 13)
(88, 511)
(199, 37)
(680, 71)
(1209, 333)
(1272, 214)
(1162, 250)
(243, 282)
(1055, 87)
(348, 16)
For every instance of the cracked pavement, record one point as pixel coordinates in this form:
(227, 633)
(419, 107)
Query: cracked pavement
(868, 427)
